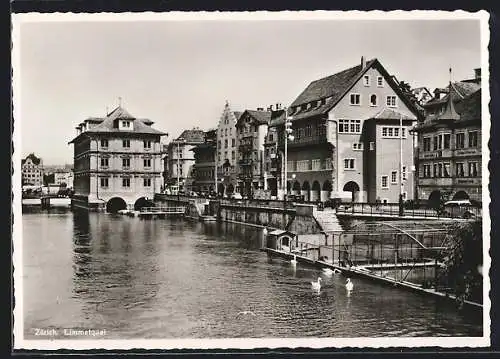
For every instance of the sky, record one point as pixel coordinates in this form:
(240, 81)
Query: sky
(180, 73)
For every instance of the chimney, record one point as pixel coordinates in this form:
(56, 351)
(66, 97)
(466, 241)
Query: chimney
(363, 62)
(477, 73)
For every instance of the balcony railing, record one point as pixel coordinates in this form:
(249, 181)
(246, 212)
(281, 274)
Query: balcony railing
(245, 162)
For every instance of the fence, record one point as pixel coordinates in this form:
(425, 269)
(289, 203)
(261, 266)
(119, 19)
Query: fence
(392, 209)
(402, 251)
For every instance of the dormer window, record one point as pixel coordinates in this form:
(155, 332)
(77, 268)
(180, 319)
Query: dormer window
(126, 124)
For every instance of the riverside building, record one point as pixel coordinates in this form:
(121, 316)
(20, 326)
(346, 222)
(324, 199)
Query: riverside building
(449, 151)
(352, 138)
(117, 162)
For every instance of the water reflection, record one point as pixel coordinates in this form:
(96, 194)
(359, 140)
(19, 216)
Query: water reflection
(179, 279)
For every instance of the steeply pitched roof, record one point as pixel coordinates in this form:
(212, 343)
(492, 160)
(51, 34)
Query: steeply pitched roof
(470, 107)
(262, 117)
(459, 90)
(334, 85)
(325, 93)
(192, 136)
(237, 114)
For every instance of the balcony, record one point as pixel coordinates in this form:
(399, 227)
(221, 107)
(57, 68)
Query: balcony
(436, 181)
(475, 151)
(306, 141)
(245, 162)
(447, 153)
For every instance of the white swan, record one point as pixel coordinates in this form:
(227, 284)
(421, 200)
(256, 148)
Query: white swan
(349, 285)
(316, 285)
(294, 260)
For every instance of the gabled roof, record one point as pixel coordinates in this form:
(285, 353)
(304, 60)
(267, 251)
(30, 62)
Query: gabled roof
(261, 117)
(325, 93)
(334, 85)
(237, 114)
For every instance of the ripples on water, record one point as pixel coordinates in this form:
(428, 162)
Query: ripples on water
(178, 279)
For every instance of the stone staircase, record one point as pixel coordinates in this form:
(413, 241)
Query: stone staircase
(328, 220)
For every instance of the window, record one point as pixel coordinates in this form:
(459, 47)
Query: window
(147, 162)
(384, 182)
(446, 141)
(125, 162)
(440, 170)
(308, 131)
(104, 162)
(390, 132)
(104, 142)
(218, 144)
(225, 143)
(435, 169)
(366, 80)
(104, 182)
(147, 144)
(473, 169)
(271, 138)
(316, 164)
(349, 126)
(225, 132)
(349, 164)
(473, 137)
(446, 170)
(394, 177)
(373, 100)
(427, 171)
(391, 101)
(435, 143)
(427, 144)
(372, 146)
(147, 182)
(403, 173)
(380, 81)
(125, 123)
(355, 99)
(440, 142)
(460, 140)
(126, 143)
(125, 182)
(357, 146)
(232, 142)
(460, 169)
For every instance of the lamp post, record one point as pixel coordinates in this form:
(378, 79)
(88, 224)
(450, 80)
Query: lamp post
(178, 165)
(401, 187)
(216, 157)
(288, 136)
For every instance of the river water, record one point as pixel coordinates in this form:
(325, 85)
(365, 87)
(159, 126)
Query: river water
(174, 278)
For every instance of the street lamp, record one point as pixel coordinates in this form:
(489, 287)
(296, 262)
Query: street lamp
(178, 165)
(288, 136)
(401, 188)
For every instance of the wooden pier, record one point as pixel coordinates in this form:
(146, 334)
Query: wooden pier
(160, 212)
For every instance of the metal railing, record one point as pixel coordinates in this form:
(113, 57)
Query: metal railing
(162, 209)
(392, 209)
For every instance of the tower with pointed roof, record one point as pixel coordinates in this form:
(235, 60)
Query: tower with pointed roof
(117, 162)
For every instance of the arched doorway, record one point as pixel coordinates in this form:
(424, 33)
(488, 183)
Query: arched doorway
(327, 191)
(315, 192)
(305, 190)
(115, 204)
(352, 187)
(434, 199)
(296, 188)
(230, 188)
(143, 202)
(460, 195)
